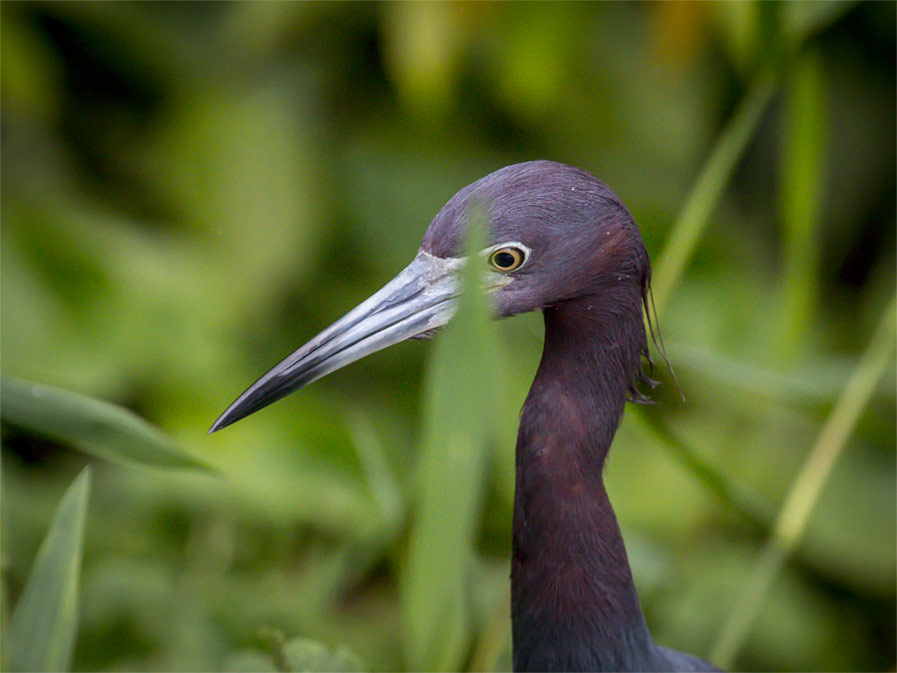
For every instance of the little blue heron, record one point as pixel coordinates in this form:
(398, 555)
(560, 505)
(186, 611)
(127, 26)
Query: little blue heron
(564, 243)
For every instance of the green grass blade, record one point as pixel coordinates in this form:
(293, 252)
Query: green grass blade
(742, 500)
(41, 634)
(384, 488)
(815, 381)
(708, 189)
(803, 166)
(96, 427)
(460, 395)
(804, 493)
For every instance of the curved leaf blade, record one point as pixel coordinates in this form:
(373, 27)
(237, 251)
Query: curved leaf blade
(42, 629)
(90, 425)
(461, 389)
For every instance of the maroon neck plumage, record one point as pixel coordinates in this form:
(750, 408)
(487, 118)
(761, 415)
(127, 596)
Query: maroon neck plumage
(574, 604)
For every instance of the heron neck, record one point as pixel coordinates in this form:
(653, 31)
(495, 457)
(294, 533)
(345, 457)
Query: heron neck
(574, 604)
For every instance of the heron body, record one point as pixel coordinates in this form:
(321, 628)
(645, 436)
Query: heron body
(562, 242)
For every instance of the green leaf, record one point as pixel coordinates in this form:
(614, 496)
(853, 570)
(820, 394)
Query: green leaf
(303, 655)
(728, 490)
(372, 456)
(299, 655)
(96, 427)
(421, 49)
(802, 197)
(815, 381)
(461, 389)
(708, 189)
(41, 633)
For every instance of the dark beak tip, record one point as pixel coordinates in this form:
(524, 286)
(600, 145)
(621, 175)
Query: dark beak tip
(225, 419)
(400, 310)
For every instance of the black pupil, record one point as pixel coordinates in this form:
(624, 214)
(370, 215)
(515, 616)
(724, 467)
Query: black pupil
(504, 260)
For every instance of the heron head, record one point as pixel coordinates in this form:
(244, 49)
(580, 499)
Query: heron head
(556, 234)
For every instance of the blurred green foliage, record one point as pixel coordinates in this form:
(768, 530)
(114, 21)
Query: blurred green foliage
(191, 191)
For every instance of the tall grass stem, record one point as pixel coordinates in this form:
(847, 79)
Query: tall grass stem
(708, 189)
(728, 491)
(802, 184)
(807, 487)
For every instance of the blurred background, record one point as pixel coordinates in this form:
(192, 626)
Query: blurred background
(191, 191)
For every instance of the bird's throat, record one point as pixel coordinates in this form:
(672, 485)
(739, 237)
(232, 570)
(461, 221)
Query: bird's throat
(574, 604)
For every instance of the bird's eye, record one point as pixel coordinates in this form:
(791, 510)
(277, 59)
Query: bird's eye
(506, 259)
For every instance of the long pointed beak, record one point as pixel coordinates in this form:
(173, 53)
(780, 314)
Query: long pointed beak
(421, 298)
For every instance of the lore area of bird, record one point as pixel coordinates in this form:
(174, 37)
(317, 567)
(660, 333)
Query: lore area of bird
(563, 243)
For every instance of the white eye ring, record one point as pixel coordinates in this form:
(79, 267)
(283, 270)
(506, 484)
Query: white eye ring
(523, 250)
